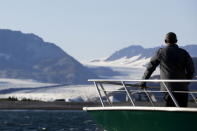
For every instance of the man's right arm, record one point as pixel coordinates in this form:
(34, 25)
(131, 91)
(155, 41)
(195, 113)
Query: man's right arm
(154, 62)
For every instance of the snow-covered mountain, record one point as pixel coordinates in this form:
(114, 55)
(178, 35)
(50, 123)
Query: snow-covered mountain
(137, 50)
(132, 51)
(134, 56)
(131, 61)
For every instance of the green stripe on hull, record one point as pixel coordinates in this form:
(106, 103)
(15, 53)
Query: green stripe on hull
(143, 120)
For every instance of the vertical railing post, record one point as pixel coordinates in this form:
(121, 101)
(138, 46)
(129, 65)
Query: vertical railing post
(150, 99)
(101, 85)
(128, 94)
(171, 95)
(100, 97)
(193, 97)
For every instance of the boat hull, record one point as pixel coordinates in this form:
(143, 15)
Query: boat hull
(145, 120)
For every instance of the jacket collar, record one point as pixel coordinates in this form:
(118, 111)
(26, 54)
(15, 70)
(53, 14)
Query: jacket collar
(173, 45)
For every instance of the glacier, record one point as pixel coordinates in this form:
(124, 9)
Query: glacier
(130, 68)
(34, 90)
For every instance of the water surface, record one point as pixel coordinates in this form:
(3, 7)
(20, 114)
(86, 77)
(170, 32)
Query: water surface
(46, 121)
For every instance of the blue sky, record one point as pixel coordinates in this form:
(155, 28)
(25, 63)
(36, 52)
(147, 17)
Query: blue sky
(90, 29)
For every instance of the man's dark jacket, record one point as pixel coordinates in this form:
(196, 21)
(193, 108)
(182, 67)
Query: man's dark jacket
(175, 63)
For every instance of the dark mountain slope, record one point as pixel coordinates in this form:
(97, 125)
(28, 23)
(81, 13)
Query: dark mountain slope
(27, 56)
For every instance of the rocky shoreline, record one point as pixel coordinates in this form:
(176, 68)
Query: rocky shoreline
(39, 105)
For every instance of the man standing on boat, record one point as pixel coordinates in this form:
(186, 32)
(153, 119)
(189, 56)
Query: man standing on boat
(175, 63)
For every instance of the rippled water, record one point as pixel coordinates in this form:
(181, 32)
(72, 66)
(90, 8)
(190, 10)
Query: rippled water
(46, 121)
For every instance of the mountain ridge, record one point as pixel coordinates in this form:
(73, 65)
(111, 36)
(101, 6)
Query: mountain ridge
(134, 50)
(28, 56)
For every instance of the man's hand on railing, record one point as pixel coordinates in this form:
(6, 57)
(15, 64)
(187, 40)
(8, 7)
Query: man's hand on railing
(143, 85)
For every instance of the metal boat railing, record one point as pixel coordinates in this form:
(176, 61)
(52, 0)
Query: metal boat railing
(126, 84)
